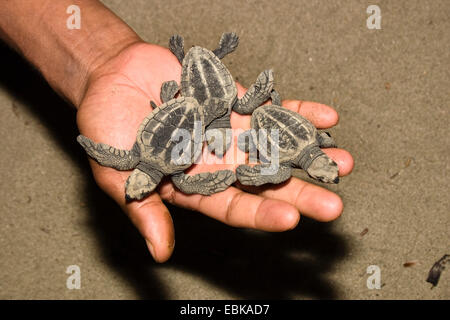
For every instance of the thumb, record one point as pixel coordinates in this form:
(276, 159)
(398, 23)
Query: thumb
(152, 218)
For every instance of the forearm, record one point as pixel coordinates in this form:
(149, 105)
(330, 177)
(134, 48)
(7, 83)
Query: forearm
(66, 57)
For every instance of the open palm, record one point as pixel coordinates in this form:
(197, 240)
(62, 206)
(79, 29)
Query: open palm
(116, 102)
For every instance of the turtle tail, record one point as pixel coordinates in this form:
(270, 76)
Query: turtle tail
(109, 156)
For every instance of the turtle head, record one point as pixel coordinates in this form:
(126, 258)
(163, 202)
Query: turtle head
(324, 169)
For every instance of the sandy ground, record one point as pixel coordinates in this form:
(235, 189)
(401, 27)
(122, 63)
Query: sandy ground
(391, 88)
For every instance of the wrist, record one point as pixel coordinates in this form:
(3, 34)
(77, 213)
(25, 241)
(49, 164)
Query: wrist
(65, 57)
(98, 56)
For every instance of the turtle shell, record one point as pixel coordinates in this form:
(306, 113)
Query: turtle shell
(154, 136)
(205, 76)
(295, 132)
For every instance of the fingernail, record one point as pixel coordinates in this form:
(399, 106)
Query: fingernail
(171, 246)
(150, 248)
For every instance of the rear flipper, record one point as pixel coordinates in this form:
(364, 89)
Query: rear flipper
(205, 183)
(325, 140)
(168, 90)
(245, 142)
(261, 174)
(140, 184)
(275, 97)
(153, 104)
(176, 45)
(257, 94)
(218, 140)
(217, 136)
(216, 113)
(228, 43)
(109, 156)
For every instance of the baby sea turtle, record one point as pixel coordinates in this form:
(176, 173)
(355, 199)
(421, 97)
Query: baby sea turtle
(156, 153)
(299, 144)
(204, 76)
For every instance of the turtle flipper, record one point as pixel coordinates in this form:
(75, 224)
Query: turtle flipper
(153, 104)
(245, 142)
(109, 156)
(176, 45)
(325, 140)
(139, 184)
(256, 176)
(168, 90)
(218, 140)
(227, 44)
(275, 97)
(217, 113)
(205, 183)
(257, 94)
(215, 108)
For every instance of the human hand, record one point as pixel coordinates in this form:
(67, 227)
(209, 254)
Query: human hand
(116, 102)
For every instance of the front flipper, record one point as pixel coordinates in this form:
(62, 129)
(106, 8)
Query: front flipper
(168, 90)
(255, 176)
(205, 183)
(227, 44)
(176, 45)
(257, 94)
(109, 156)
(139, 184)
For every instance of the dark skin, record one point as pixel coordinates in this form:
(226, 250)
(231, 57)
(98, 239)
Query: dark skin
(109, 74)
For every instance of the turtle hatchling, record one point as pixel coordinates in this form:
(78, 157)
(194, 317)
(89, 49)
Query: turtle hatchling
(156, 153)
(298, 146)
(204, 77)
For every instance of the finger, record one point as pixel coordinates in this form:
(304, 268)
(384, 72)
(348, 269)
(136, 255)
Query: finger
(311, 200)
(150, 216)
(322, 116)
(237, 208)
(343, 159)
